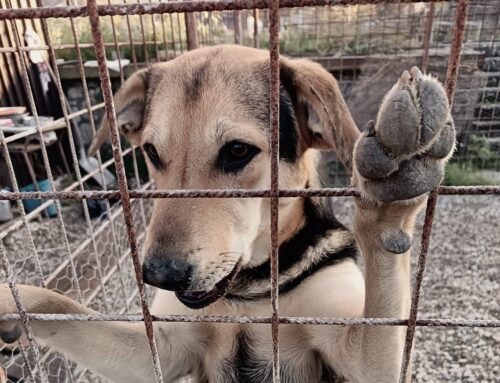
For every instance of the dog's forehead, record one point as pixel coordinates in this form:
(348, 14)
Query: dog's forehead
(201, 88)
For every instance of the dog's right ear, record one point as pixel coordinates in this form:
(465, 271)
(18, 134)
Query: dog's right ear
(129, 107)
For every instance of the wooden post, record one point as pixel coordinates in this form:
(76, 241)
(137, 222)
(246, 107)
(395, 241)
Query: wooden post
(427, 37)
(191, 34)
(256, 42)
(237, 26)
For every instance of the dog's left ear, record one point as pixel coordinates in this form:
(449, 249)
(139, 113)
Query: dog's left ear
(129, 107)
(322, 114)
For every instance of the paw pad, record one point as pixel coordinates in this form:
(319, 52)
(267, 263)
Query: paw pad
(402, 155)
(396, 242)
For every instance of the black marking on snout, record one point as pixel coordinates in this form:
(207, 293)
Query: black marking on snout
(12, 334)
(165, 271)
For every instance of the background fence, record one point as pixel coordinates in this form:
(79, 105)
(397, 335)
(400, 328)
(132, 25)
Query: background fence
(54, 68)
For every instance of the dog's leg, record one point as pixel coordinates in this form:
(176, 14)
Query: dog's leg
(396, 162)
(117, 350)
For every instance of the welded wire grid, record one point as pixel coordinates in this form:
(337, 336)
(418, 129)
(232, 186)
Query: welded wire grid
(98, 271)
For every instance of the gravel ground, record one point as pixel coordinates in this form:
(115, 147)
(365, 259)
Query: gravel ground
(461, 281)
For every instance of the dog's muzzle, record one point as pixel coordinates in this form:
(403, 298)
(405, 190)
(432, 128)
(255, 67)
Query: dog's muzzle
(174, 274)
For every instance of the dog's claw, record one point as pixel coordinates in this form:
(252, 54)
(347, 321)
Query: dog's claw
(370, 128)
(403, 156)
(416, 74)
(396, 242)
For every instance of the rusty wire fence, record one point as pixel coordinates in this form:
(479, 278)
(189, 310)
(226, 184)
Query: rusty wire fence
(97, 260)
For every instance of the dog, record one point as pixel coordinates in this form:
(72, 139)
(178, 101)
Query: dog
(203, 122)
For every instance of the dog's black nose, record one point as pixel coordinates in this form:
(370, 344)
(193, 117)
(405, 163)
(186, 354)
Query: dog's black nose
(166, 272)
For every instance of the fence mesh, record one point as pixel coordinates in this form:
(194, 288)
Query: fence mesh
(96, 260)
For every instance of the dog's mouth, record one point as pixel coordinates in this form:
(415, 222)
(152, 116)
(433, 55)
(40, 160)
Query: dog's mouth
(200, 299)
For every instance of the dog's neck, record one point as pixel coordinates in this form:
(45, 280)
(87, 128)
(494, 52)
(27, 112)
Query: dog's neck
(313, 239)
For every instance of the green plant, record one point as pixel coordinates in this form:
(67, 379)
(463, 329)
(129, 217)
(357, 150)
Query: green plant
(479, 148)
(472, 168)
(464, 174)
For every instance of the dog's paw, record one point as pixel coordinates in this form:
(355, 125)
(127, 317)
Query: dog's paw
(10, 331)
(402, 155)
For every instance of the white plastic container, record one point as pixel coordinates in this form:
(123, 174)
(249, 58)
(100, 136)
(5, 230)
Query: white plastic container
(5, 211)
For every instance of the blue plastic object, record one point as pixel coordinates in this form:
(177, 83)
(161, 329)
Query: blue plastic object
(32, 204)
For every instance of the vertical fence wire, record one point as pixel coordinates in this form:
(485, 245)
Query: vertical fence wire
(274, 200)
(22, 210)
(450, 85)
(76, 166)
(46, 162)
(90, 113)
(122, 180)
(26, 82)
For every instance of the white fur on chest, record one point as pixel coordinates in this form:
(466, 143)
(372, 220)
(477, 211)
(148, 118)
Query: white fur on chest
(336, 291)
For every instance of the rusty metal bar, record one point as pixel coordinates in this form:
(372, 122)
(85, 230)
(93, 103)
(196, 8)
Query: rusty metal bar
(224, 193)
(426, 322)
(122, 180)
(274, 105)
(115, 246)
(181, 7)
(450, 84)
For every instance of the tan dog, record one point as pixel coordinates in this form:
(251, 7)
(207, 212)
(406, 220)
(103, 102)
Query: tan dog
(203, 122)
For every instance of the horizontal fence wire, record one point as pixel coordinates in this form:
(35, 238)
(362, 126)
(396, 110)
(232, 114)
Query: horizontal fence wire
(181, 7)
(229, 193)
(424, 322)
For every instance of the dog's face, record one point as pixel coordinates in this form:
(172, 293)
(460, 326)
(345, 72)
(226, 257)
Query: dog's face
(203, 123)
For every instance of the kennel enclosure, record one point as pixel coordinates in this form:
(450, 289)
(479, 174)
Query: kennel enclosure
(101, 266)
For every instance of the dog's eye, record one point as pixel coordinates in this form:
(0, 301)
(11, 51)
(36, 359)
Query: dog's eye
(239, 150)
(235, 155)
(152, 154)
